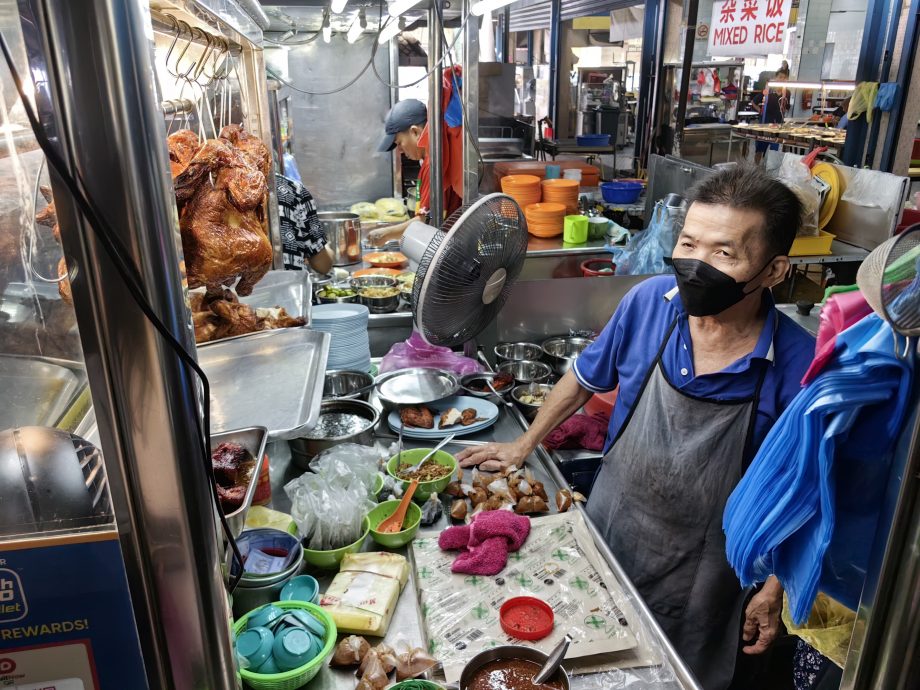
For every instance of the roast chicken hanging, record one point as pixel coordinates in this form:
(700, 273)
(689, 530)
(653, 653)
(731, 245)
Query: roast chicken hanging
(220, 191)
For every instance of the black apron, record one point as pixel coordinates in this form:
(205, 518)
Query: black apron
(658, 501)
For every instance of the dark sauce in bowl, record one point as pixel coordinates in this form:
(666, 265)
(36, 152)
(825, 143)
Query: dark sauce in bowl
(510, 674)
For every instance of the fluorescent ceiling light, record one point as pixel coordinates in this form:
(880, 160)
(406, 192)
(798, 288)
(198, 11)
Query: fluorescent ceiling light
(399, 6)
(483, 6)
(794, 85)
(338, 6)
(357, 27)
(392, 28)
(838, 86)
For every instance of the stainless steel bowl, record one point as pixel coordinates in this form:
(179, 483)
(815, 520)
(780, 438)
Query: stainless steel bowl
(373, 281)
(485, 375)
(343, 384)
(517, 352)
(379, 305)
(337, 300)
(415, 386)
(508, 652)
(562, 352)
(527, 371)
(305, 449)
(527, 409)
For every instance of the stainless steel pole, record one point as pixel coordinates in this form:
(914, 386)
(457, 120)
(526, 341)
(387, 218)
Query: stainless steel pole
(435, 118)
(105, 118)
(470, 104)
(393, 54)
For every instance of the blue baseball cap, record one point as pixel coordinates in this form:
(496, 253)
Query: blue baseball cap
(400, 118)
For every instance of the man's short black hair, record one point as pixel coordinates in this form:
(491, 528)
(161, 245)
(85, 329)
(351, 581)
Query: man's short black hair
(749, 188)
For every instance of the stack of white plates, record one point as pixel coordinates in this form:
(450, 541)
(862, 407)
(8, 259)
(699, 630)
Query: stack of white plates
(347, 324)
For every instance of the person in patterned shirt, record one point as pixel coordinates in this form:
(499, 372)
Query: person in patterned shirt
(303, 239)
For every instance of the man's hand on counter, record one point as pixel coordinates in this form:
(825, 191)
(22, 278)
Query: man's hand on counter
(495, 457)
(762, 617)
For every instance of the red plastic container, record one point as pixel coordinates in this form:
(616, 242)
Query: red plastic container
(526, 618)
(596, 267)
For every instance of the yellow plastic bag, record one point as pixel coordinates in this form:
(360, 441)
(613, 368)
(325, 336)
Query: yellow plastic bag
(863, 100)
(260, 516)
(828, 628)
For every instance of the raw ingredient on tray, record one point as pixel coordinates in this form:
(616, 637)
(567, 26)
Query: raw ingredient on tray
(431, 470)
(379, 292)
(418, 416)
(518, 491)
(510, 674)
(350, 652)
(337, 425)
(432, 510)
(458, 509)
(535, 398)
(233, 466)
(336, 293)
(329, 503)
(500, 382)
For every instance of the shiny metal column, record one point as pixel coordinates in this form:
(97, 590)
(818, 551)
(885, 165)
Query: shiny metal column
(470, 104)
(393, 53)
(97, 55)
(435, 119)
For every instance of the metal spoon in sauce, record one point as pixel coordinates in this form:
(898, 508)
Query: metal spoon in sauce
(553, 661)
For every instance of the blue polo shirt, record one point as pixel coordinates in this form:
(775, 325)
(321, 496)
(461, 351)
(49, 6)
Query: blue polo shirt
(629, 343)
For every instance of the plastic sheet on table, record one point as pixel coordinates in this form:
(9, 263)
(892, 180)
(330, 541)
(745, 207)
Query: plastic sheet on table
(559, 564)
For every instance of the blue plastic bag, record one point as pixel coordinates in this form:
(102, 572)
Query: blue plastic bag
(887, 95)
(649, 252)
(290, 168)
(453, 114)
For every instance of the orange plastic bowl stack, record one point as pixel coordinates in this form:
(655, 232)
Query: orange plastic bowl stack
(524, 189)
(545, 220)
(562, 191)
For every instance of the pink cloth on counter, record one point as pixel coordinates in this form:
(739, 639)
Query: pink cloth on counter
(579, 431)
(840, 312)
(485, 542)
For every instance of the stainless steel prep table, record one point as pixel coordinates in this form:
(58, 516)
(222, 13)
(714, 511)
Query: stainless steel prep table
(406, 625)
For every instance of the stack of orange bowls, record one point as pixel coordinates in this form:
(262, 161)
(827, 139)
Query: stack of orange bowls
(524, 189)
(562, 191)
(545, 220)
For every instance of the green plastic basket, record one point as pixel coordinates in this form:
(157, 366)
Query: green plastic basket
(300, 676)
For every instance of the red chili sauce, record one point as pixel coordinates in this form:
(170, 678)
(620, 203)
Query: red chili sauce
(510, 674)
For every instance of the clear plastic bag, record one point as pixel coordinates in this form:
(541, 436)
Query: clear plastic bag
(796, 175)
(646, 251)
(415, 352)
(828, 628)
(329, 504)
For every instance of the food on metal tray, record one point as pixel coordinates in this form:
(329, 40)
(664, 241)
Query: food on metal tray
(499, 382)
(233, 467)
(566, 498)
(413, 663)
(350, 652)
(379, 292)
(432, 510)
(373, 673)
(477, 495)
(338, 425)
(458, 509)
(535, 398)
(531, 504)
(336, 292)
(510, 674)
(222, 315)
(387, 656)
(431, 470)
(418, 416)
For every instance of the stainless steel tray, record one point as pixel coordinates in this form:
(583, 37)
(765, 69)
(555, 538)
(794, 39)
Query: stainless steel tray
(415, 386)
(272, 379)
(37, 391)
(253, 440)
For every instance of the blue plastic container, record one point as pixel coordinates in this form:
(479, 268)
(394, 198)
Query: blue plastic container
(621, 192)
(593, 140)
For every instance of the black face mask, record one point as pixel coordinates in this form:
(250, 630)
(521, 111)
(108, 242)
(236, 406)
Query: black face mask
(707, 291)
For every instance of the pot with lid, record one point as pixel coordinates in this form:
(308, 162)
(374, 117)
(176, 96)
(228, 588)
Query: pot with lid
(343, 236)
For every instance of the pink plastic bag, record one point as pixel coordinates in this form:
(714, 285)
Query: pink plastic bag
(839, 313)
(415, 352)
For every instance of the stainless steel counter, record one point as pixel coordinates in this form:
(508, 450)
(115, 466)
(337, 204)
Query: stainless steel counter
(406, 626)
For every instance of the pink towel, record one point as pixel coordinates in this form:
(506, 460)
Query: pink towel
(580, 431)
(486, 541)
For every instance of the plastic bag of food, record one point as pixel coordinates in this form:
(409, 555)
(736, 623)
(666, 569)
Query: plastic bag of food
(646, 252)
(366, 210)
(796, 175)
(350, 652)
(330, 503)
(415, 352)
(390, 208)
(828, 628)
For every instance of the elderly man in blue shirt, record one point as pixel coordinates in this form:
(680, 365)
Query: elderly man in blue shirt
(705, 365)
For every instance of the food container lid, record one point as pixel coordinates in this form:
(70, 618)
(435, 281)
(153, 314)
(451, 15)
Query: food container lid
(526, 618)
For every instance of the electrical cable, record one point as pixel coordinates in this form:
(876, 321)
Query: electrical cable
(380, 25)
(131, 277)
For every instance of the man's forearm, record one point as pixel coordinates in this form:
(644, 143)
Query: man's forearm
(562, 402)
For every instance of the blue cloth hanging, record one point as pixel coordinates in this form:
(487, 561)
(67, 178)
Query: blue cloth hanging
(886, 96)
(806, 509)
(453, 114)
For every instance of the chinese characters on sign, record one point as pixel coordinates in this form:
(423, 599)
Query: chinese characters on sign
(748, 28)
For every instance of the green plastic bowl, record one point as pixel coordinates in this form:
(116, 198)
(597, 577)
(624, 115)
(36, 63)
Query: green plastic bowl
(378, 486)
(416, 684)
(396, 539)
(329, 560)
(296, 677)
(425, 489)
